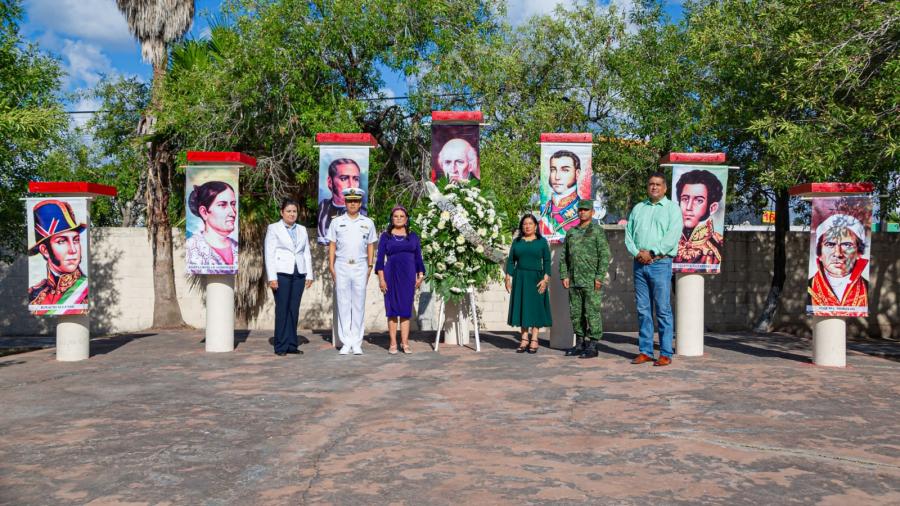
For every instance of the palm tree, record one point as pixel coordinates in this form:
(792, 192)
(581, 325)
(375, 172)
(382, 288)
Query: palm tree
(156, 24)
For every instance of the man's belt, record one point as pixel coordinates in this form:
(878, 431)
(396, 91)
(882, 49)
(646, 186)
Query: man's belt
(351, 261)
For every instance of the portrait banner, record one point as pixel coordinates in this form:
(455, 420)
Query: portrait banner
(211, 220)
(340, 167)
(839, 246)
(700, 192)
(58, 255)
(454, 152)
(565, 179)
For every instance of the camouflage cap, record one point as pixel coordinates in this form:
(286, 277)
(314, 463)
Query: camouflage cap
(585, 204)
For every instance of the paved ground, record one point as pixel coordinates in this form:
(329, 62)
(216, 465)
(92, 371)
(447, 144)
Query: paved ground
(152, 419)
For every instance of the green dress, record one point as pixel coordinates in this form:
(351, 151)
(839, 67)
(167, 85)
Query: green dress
(527, 263)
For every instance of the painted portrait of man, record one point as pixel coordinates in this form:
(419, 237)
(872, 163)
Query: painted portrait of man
(58, 282)
(341, 167)
(454, 153)
(701, 195)
(839, 282)
(565, 179)
(560, 211)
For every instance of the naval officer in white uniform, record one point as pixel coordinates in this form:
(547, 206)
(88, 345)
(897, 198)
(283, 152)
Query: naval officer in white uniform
(351, 256)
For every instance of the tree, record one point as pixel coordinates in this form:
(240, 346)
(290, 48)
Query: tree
(156, 24)
(31, 121)
(798, 91)
(273, 74)
(114, 154)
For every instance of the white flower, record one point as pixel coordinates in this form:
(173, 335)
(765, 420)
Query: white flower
(479, 249)
(458, 265)
(445, 215)
(460, 248)
(460, 239)
(442, 224)
(456, 289)
(482, 232)
(441, 267)
(438, 275)
(494, 234)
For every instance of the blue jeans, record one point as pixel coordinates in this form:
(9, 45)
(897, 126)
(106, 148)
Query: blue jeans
(653, 282)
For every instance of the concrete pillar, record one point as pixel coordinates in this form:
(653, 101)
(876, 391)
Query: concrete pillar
(73, 337)
(219, 312)
(456, 323)
(562, 335)
(689, 317)
(829, 341)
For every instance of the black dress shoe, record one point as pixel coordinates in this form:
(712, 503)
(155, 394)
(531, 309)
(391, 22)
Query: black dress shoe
(280, 353)
(295, 352)
(576, 350)
(590, 351)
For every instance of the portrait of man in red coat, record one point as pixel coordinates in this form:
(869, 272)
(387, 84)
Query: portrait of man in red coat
(839, 285)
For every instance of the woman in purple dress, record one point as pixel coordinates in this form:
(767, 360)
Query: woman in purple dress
(400, 272)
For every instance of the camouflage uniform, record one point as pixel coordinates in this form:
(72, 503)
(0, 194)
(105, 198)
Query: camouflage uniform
(585, 259)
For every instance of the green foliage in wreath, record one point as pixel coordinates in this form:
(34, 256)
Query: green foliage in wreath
(454, 264)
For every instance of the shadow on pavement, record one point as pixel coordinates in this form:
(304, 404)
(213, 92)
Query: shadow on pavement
(112, 343)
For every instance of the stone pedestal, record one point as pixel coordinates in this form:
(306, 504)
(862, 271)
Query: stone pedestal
(829, 341)
(562, 335)
(689, 317)
(73, 337)
(219, 312)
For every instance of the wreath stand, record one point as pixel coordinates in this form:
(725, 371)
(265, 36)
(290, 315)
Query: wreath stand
(461, 319)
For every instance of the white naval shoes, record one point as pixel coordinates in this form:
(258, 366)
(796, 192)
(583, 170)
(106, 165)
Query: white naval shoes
(357, 350)
(345, 349)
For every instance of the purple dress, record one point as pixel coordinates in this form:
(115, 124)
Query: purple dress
(400, 258)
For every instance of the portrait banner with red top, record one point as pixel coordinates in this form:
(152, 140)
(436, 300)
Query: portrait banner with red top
(341, 166)
(839, 249)
(454, 152)
(211, 220)
(700, 192)
(565, 179)
(58, 255)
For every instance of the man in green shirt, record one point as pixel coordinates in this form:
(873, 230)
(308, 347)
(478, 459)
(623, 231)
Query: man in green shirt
(583, 270)
(651, 236)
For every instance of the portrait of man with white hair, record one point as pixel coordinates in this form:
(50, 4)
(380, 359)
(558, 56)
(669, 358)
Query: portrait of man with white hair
(454, 153)
(839, 271)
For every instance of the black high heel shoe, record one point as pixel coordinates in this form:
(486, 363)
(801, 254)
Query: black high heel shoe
(533, 350)
(523, 346)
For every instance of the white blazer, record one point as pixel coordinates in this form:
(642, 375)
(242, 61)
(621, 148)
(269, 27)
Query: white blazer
(281, 255)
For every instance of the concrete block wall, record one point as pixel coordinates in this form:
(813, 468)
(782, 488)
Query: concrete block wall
(122, 289)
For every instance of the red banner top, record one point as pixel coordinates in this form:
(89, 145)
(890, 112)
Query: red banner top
(456, 117)
(220, 158)
(717, 158)
(345, 138)
(73, 188)
(824, 189)
(567, 137)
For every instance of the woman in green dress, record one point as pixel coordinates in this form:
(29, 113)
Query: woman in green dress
(527, 277)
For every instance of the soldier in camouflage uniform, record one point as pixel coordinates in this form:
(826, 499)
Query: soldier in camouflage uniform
(583, 270)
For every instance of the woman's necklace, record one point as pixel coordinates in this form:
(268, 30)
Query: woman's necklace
(398, 237)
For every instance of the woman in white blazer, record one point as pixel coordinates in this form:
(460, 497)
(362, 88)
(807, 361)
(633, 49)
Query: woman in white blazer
(289, 271)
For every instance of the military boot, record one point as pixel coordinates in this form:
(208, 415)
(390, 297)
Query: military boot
(590, 351)
(576, 350)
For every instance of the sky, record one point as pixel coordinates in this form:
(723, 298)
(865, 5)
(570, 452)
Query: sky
(91, 39)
